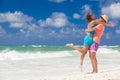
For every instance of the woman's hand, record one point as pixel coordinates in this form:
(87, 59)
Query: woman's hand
(110, 24)
(87, 33)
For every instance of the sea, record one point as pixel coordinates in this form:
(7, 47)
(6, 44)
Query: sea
(35, 61)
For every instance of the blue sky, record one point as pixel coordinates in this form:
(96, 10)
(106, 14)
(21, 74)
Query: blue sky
(54, 22)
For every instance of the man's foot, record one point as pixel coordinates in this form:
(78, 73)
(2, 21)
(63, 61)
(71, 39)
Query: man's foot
(91, 72)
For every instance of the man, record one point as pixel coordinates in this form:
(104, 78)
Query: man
(99, 29)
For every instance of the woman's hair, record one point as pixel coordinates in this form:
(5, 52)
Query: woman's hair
(89, 17)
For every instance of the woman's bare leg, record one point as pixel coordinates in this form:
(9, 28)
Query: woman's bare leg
(85, 49)
(83, 52)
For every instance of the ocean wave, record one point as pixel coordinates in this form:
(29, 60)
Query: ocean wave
(109, 46)
(36, 45)
(107, 50)
(15, 54)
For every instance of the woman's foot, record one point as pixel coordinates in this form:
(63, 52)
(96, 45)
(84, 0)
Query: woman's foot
(81, 68)
(70, 44)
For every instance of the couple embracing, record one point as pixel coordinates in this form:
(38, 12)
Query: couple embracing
(94, 32)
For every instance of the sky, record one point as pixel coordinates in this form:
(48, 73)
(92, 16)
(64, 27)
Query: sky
(55, 22)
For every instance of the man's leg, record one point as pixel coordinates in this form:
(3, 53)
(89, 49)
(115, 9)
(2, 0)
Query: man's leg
(92, 56)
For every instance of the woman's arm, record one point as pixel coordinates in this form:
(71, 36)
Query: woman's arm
(96, 22)
(90, 30)
(107, 24)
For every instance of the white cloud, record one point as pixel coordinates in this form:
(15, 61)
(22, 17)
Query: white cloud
(76, 16)
(118, 31)
(71, 0)
(85, 9)
(16, 25)
(73, 32)
(104, 3)
(112, 11)
(107, 35)
(30, 31)
(2, 31)
(16, 19)
(56, 20)
(57, 1)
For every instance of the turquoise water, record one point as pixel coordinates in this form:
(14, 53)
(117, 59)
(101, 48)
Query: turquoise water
(35, 48)
(47, 48)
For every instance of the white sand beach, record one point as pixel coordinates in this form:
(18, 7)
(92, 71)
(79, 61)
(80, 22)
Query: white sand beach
(110, 75)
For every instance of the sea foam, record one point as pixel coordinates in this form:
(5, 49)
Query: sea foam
(15, 55)
(8, 54)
